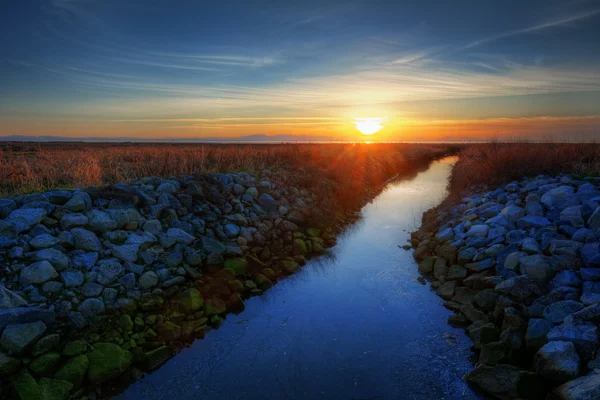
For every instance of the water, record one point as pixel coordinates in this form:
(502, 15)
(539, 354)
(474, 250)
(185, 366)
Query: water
(355, 325)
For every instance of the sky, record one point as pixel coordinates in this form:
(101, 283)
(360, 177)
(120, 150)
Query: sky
(428, 70)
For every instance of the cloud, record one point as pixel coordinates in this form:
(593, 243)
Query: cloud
(550, 24)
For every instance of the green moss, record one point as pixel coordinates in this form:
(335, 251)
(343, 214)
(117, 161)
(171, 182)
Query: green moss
(45, 365)
(125, 322)
(54, 389)
(107, 361)
(75, 348)
(187, 301)
(74, 370)
(26, 387)
(215, 306)
(299, 247)
(262, 281)
(168, 331)
(313, 232)
(238, 265)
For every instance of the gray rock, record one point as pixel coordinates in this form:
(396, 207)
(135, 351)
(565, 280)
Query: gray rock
(43, 241)
(512, 213)
(128, 280)
(127, 252)
(23, 315)
(573, 216)
(503, 381)
(148, 280)
(558, 197)
(85, 261)
(89, 308)
(566, 278)
(590, 274)
(583, 388)
(521, 288)
(537, 333)
(86, 240)
(52, 287)
(25, 219)
(79, 202)
(533, 222)
(18, 338)
(6, 207)
(590, 293)
(153, 226)
(536, 267)
(91, 289)
(478, 230)
(109, 272)
(100, 222)
(211, 245)
(37, 273)
(267, 202)
(512, 260)
(594, 219)
(9, 299)
(180, 236)
(557, 361)
(58, 197)
(556, 312)
(8, 365)
(584, 337)
(70, 221)
(72, 278)
(590, 254)
(55, 257)
(231, 230)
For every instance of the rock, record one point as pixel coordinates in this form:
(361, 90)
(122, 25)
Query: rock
(187, 301)
(6, 207)
(107, 361)
(9, 299)
(238, 265)
(480, 266)
(72, 278)
(91, 289)
(128, 280)
(512, 213)
(153, 226)
(445, 235)
(46, 364)
(478, 230)
(299, 247)
(590, 254)
(267, 202)
(537, 333)
(520, 288)
(90, 308)
(86, 240)
(75, 348)
(85, 261)
(69, 221)
(583, 388)
(504, 381)
(556, 312)
(100, 222)
(155, 358)
(37, 273)
(47, 389)
(584, 337)
(148, 280)
(215, 306)
(573, 216)
(231, 230)
(557, 361)
(45, 344)
(25, 219)
(109, 272)
(24, 315)
(456, 273)
(533, 222)
(43, 241)
(594, 220)
(127, 252)
(8, 365)
(180, 236)
(558, 197)
(55, 257)
(446, 291)
(211, 245)
(18, 338)
(590, 293)
(168, 331)
(73, 370)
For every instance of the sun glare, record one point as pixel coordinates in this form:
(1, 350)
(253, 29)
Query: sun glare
(369, 126)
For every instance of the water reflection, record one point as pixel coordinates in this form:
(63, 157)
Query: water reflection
(351, 325)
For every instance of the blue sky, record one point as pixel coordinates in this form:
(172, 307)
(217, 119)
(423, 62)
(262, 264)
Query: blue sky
(193, 68)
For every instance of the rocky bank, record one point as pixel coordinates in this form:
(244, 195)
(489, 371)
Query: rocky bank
(520, 267)
(100, 284)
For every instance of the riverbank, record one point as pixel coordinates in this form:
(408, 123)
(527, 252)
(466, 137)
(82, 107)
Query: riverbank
(519, 265)
(99, 284)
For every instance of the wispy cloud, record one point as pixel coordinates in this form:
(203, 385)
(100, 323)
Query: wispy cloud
(539, 27)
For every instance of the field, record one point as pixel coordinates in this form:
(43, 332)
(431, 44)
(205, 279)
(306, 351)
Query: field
(340, 175)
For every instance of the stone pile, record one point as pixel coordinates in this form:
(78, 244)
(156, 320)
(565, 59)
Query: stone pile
(520, 267)
(98, 283)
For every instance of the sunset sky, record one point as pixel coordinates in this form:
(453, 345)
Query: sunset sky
(431, 69)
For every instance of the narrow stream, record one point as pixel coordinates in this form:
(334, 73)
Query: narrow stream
(356, 325)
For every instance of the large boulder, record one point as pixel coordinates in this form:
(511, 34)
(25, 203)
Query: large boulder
(503, 381)
(18, 338)
(38, 273)
(86, 240)
(188, 301)
(557, 361)
(9, 299)
(107, 361)
(25, 219)
(583, 388)
(590, 253)
(24, 315)
(556, 312)
(558, 197)
(99, 221)
(584, 337)
(73, 370)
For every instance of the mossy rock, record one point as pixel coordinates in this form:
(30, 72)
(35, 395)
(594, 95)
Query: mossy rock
(236, 286)
(188, 301)
(74, 370)
(45, 344)
(45, 365)
(107, 361)
(125, 322)
(8, 364)
(168, 331)
(299, 247)
(269, 273)
(238, 265)
(236, 303)
(313, 232)
(262, 282)
(27, 388)
(290, 266)
(151, 303)
(155, 358)
(215, 306)
(317, 246)
(75, 348)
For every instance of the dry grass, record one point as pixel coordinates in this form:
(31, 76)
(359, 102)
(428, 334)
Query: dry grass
(496, 163)
(339, 174)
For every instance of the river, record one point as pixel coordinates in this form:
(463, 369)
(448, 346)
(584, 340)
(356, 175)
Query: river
(354, 325)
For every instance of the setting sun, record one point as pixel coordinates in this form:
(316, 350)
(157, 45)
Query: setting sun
(369, 126)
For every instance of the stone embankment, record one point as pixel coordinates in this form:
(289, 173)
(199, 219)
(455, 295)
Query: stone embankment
(99, 284)
(520, 267)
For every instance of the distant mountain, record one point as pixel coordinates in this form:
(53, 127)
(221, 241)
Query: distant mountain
(248, 138)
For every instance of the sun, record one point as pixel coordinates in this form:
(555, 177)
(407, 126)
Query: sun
(369, 126)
